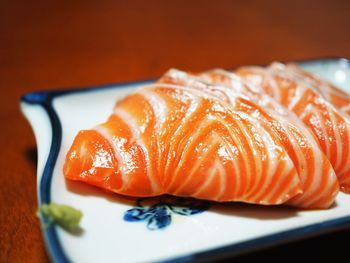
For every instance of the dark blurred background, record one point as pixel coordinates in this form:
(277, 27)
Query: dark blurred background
(48, 44)
(65, 43)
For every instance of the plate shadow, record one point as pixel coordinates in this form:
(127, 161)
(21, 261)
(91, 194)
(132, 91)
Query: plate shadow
(89, 190)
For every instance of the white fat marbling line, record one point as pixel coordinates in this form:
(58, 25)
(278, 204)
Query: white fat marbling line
(298, 95)
(121, 162)
(308, 197)
(235, 86)
(272, 157)
(210, 177)
(318, 157)
(185, 152)
(325, 190)
(272, 154)
(159, 106)
(272, 84)
(240, 84)
(306, 83)
(325, 88)
(216, 169)
(249, 174)
(316, 120)
(338, 140)
(222, 92)
(136, 136)
(283, 120)
(160, 110)
(300, 155)
(191, 92)
(301, 158)
(213, 143)
(273, 163)
(346, 167)
(203, 85)
(232, 151)
(195, 101)
(223, 176)
(242, 152)
(278, 69)
(245, 87)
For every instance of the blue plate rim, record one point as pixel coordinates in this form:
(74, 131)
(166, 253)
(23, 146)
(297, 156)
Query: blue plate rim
(57, 254)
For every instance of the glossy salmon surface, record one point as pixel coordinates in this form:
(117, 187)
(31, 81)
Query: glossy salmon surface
(330, 125)
(319, 183)
(263, 135)
(332, 93)
(173, 139)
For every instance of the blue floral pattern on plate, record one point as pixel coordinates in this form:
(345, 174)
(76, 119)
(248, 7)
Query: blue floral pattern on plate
(157, 212)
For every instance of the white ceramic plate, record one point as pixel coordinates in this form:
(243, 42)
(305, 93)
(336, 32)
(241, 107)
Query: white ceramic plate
(162, 232)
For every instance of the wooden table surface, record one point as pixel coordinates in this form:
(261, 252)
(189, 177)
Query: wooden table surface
(80, 43)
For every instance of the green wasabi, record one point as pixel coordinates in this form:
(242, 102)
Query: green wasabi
(63, 215)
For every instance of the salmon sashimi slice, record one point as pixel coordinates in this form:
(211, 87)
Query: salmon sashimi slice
(172, 139)
(319, 183)
(330, 126)
(332, 93)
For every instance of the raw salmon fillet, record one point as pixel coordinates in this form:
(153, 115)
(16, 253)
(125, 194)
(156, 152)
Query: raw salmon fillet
(178, 140)
(319, 183)
(330, 125)
(332, 93)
